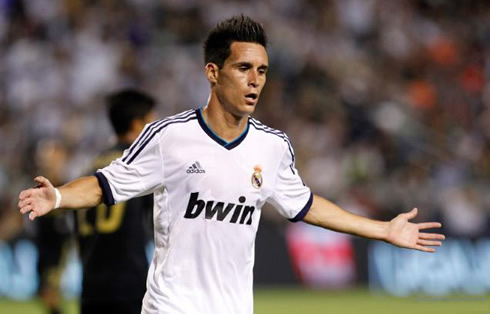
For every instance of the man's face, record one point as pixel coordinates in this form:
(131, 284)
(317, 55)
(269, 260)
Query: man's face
(242, 78)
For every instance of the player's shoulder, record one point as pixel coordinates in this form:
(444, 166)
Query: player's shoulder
(154, 133)
(269, 133)
(162, 126)
(180, 118)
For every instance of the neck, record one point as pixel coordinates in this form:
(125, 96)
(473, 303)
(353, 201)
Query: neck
(126, 139)
(224, 123)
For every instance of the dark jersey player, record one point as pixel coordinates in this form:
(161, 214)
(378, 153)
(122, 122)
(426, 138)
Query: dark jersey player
(112, 239)
(53, 237)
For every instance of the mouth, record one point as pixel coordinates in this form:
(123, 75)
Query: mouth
(251, 98)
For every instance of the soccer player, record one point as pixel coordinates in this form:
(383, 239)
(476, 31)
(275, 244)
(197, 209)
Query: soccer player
(211, 170)
(112, 239)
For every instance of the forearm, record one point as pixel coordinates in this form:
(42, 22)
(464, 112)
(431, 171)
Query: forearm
(81, 193)
(326, 214)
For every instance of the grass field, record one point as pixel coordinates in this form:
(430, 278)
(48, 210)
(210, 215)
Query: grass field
(296, 301)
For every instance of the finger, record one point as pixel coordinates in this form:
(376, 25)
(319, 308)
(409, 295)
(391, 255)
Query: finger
(425, 249)
(32, 215)
(411, 214)
(42, 181)
(429, 225)
(24, 202)
(431, 236)
(428, 242)
(39, 179)
(25, 209)
(24, 194)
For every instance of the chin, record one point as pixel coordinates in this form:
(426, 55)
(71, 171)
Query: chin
(249, 110)
(243, 111)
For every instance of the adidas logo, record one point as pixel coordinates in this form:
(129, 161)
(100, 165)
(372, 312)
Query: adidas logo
(196, 168)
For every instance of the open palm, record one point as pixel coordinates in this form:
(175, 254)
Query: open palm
(405, 234)
(37, 201)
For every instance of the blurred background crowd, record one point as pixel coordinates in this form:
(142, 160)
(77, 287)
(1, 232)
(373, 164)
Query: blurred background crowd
(387, 103)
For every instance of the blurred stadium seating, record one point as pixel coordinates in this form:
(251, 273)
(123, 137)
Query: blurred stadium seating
(387, 104)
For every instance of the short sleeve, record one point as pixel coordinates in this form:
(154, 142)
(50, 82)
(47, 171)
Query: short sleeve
(138, 172)
(291, 197)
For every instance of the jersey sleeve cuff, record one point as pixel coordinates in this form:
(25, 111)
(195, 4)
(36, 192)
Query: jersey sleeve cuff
(304, 211)
(107, 196)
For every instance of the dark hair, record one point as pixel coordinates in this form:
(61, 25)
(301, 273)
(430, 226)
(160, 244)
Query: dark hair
(127, 105)
(238, 28)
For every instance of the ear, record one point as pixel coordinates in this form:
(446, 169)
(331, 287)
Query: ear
(212, 72)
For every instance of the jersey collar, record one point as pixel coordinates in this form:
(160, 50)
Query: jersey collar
(215, 137)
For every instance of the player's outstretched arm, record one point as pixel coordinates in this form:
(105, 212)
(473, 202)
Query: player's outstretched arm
(399, 231)
(80, 193)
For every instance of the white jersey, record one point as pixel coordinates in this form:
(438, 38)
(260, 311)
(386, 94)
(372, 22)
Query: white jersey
(208, 195)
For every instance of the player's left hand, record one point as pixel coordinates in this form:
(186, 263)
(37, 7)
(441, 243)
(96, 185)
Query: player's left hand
(405, 234)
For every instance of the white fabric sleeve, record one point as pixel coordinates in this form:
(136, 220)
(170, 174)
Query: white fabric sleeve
(138, 172)
(291, 197)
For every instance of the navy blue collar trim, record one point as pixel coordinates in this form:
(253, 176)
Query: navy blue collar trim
(216, 138)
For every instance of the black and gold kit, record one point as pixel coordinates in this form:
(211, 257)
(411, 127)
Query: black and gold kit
(112, 242)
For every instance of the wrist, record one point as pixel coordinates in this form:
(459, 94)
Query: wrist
(58, 196)
(386, 231)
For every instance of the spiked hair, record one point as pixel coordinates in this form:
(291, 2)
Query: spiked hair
(238, 28)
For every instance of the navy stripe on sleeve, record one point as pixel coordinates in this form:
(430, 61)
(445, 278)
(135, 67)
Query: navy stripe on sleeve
(141, 137)
(150, 130)
(143, 145)
(107, 196)
(262, 127)
(304, 211)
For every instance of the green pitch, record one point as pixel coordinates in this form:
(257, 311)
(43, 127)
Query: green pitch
(295, 301)
(360, 301)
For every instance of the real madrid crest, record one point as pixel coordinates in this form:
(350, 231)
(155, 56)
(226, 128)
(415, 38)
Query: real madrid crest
(257, 179)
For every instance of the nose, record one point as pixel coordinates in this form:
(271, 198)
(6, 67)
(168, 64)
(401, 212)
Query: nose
(253, 79)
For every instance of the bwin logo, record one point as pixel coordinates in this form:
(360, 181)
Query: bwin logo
(196, 168)
(220, 210)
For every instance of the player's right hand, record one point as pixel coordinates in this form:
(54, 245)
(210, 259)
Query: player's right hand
(37, 201)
